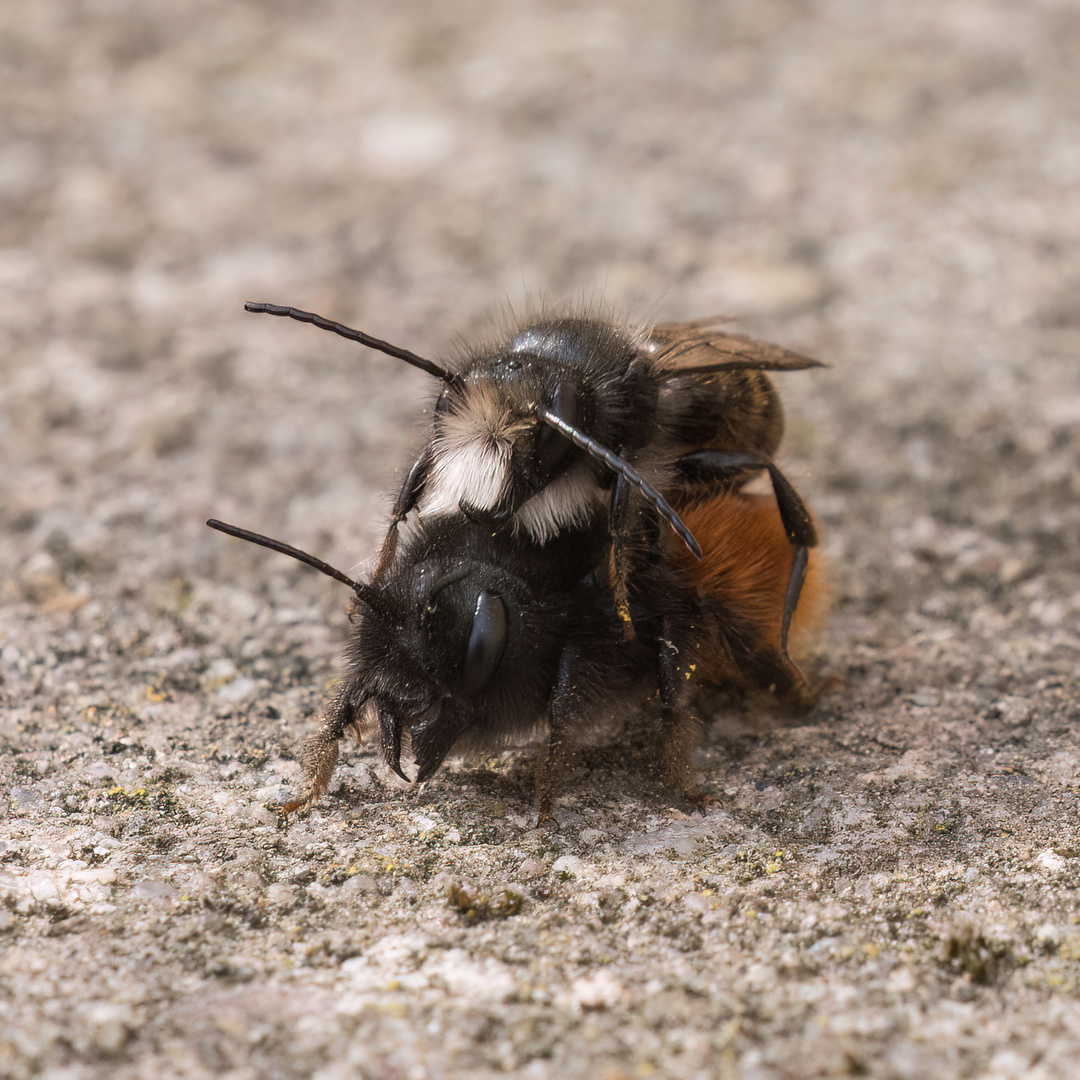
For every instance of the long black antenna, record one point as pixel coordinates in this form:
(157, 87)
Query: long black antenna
(286, 549)
(353, 335)
(623, 468)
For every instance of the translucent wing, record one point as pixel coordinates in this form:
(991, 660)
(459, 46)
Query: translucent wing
(698, 348)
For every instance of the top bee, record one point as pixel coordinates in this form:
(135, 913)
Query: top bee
(559, 420)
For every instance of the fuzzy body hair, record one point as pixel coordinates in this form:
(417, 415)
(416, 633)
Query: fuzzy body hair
(472, 451)
(517, 540)
(472, 463)
(567, 503)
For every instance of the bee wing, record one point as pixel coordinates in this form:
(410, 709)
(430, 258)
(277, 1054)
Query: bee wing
(698, 348)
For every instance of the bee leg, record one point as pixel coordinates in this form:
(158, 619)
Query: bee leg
(791, 601)
(680, 730)
(802, 535)
(798, 524)
(770, 670)
(320, 754)
(553, 760)
(542, 770)
(618, 556)
(386, 553)
(408, 497)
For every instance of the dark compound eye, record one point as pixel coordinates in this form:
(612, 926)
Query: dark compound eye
(487, 643)
(552, 449)
(442, 406)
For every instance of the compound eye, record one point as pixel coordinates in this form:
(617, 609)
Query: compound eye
(442, 406)
(487, 643)
(552, 448)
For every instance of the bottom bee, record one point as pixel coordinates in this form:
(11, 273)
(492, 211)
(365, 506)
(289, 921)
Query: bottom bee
(473, 640)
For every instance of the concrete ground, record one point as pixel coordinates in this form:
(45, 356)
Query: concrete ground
(887, 888)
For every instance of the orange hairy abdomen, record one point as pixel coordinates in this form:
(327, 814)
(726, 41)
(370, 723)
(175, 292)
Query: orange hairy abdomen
(745, 564)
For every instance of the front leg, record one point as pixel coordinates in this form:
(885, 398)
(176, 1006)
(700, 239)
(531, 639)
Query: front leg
(553, 760)
(320, 753)
(408, 497)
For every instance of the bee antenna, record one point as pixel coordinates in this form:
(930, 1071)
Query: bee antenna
(624, 469)
(287, 549)
(353, 335)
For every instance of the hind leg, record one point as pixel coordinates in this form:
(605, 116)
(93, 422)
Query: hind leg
(680, 725)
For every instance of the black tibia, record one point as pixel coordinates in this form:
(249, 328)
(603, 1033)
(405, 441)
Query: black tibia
(704, 465)
(721, 465)
(320, 753)
(680, 729)
(413, 487)
(404, 504)
(552, 758)
(619, 569)
(791, 598)
(767, 669)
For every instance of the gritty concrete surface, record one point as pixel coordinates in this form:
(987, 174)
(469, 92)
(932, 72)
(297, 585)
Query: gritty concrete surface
(887, 888)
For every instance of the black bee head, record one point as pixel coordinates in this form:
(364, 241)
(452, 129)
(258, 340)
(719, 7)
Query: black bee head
(453, 644)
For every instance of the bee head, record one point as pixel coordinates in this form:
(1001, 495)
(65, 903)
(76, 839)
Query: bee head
(586, 371)
(452, 644)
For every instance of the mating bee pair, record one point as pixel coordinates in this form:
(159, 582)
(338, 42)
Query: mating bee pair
(574, 531)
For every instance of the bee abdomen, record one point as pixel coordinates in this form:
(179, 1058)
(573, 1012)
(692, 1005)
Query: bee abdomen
(730, 410)
(743, 576)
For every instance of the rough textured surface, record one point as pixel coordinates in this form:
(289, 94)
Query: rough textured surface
(888, 888)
